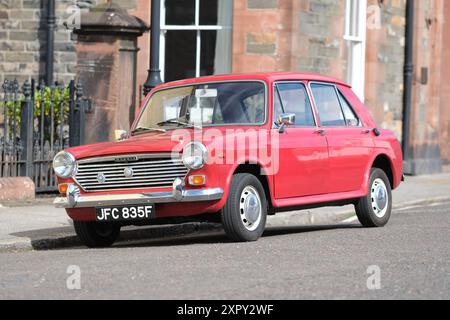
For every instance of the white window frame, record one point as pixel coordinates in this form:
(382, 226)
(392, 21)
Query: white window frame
(196, 27)
(356, 39)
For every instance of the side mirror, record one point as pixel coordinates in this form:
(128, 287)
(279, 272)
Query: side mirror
(120, 135)
(284, 120)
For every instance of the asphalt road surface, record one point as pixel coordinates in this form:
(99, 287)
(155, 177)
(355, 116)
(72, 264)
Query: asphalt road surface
(408, 259)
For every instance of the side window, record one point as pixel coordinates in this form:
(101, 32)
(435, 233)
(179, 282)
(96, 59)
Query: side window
(277, 108)
(328, 106)
(350, 116)
(254, 107)
(294, 99)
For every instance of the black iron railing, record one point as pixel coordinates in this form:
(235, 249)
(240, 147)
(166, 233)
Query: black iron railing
(36, 122)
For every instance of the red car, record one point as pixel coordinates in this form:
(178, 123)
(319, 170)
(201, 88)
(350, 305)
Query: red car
(233, 148)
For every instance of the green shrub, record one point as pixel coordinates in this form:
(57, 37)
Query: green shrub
(41, 104)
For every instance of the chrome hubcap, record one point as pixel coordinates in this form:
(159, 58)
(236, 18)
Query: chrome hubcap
(250, 208)
(379, 197)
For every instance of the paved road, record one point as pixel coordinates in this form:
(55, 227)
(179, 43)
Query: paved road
(412, 254)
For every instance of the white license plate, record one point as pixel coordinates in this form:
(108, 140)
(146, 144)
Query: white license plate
(125, 213)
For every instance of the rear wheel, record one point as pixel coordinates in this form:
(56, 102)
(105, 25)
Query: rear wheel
(374, 210)
(97, 234)
(244, 214)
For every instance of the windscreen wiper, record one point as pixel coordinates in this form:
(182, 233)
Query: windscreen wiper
(147, 129)
(178, 121)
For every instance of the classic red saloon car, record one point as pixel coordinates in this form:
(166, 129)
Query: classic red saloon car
(233, 148)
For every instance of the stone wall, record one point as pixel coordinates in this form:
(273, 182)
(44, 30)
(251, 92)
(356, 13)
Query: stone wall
(23, 41)
(428, 148)
(262, 35)
(318, 42)
(444, 113)
(23, 38)
(308, 36)
(385, 49)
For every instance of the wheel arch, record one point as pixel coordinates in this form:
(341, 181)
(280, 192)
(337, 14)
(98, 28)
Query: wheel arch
(383, 162)
(259, 172)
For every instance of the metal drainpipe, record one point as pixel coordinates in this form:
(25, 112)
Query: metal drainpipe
(408, 78)
(154, 73)
(50, 41)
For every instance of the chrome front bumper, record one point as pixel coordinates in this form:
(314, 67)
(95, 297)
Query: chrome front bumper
(74, 199)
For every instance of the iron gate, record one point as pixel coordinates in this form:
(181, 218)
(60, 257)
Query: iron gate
(36, 122)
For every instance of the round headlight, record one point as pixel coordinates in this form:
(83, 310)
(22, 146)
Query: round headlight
(195, 155)
(64, 164)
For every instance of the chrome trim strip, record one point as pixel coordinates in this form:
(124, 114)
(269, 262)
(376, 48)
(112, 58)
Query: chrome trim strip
(178, 194)
(84, 166)
(173, 155)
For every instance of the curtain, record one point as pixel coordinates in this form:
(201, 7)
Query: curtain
(223, 57)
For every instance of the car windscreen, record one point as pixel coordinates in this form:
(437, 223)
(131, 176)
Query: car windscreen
(206, 104)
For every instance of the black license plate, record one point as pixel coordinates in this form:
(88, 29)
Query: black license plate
(125, 213)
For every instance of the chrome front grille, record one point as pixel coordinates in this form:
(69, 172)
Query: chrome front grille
(129, 172)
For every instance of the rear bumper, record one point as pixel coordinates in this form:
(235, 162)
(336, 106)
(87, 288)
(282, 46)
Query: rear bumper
(74, 199)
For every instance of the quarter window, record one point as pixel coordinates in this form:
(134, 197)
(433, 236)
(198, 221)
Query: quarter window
(328, 106)
(350, 116)
(294, 99)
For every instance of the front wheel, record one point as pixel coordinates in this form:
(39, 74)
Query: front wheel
(244, 214)
(374, 210)
(97, 234)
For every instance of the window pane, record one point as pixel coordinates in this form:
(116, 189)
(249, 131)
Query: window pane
(208, 12)
(180, 55)
(241, 102)
(277, 105)
(211, 103)
(328, 106)
(215, 55)
(208, 52)
(180, 12)
(254, 107)
(295, 100)
(350, 116)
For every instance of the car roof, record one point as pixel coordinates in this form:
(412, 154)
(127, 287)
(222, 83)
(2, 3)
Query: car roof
(264, 76)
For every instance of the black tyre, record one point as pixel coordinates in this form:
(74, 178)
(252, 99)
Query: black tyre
(97, 234)
(245, 212)
(374, 210)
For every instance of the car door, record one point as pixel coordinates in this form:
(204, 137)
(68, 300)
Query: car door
(302, 150)
(349, 143)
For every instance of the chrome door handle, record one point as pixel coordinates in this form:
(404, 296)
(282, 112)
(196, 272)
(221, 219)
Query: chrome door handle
(320, 131)
(366, 131)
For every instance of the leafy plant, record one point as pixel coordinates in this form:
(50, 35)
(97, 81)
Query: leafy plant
(42, 105)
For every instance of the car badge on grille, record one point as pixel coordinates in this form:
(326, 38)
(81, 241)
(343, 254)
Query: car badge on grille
(126, 159)
(101, 178)
(128, 172)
